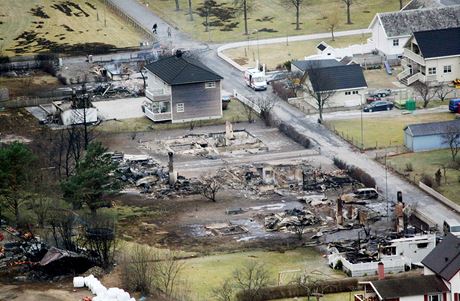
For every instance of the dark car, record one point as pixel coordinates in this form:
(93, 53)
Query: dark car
(380, 93)
(225, 101)
(276, 77)
(380, 105)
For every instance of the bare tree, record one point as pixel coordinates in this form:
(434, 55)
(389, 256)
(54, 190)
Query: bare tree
(299, 228)
(266, 105)
(452, 138)
(249, 113)
(41, 206)
(309, 284)
(425, 91)
(225, 292)
(210, 186)
(137, 269)
(296, 4)
(251, 279)
(167, 271)
(348, 4)
(177, 5)
(244, 7)
(443, 90)
(317, 88)
(332, 19)
(190, 11)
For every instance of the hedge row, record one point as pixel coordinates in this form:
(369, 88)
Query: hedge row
(356, 173)
(295, 135)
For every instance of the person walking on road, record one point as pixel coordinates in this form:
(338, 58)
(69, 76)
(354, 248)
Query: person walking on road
(154, 28)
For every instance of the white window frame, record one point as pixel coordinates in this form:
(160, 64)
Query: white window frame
(395, 42)
(439, 297)
(431, 70)
(448, 69)
(210, 85)
(180, 107)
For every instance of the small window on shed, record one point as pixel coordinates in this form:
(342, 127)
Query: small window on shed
(347, 92)
(422, 245)
(396, 42)
(180, 107)
(210, 85)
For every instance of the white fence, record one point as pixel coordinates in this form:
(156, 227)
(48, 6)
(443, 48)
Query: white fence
(439, 197)
(250, 103)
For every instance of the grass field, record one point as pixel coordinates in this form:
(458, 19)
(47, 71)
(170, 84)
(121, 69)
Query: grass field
(234, 113)
(205, 273)
(30, 26)
(270, 18)
(275, 54)
(429, 163)
(382, 132)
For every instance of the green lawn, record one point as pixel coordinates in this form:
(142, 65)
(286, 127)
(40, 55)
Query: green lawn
(235, 113)
(46, 27)
(269, 17)
(205, 273)
(429, 163)
(349, 296)
(275, 54)
(381, 132)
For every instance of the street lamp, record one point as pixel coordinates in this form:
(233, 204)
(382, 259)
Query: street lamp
(362, 128)
(258, 52)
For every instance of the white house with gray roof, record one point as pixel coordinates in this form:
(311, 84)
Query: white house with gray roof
(392, 30)
(429, 136)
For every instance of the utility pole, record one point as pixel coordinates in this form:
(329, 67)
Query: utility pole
(386, 187)
(362, 128)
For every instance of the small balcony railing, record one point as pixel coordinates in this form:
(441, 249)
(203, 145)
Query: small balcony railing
(414, 57)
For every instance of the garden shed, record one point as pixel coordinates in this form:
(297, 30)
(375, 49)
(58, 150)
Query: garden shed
(429, 136)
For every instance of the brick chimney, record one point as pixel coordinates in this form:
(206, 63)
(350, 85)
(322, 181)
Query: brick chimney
(381, 270)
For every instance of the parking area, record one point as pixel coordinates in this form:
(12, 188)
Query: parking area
(121, 108)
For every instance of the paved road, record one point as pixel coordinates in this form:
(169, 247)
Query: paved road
(331, 145)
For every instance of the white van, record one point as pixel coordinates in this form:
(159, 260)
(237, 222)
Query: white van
(451, 226)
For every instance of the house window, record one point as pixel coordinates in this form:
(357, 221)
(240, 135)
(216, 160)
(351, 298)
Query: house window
(347, 93)
(434, 298)
(355, 92)
(432, 71)
(210, 85)
(180, 107)
(448, 69)
(396, 42)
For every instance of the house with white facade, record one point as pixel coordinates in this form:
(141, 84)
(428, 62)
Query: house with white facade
(392, 30)
(440, 280)
(182, 89)
(344, 84)
(431, 56)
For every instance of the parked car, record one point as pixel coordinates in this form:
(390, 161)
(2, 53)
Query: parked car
(372, 99)
(380, 105)
(276, 77)
(366, 193)
(454, 105)
(225, 101)
(380, 93)
(451, 226)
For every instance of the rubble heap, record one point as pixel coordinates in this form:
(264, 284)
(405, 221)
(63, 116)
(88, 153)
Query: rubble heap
(148, 175)
(289, 220)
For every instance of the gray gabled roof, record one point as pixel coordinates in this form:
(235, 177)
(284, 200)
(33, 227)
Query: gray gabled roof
(405, 287)
(337, 78)
(308, 64)
(432, 128)
(444, 260)
(417, 4)
(404, 23)
(439, 43)
(180, 70)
